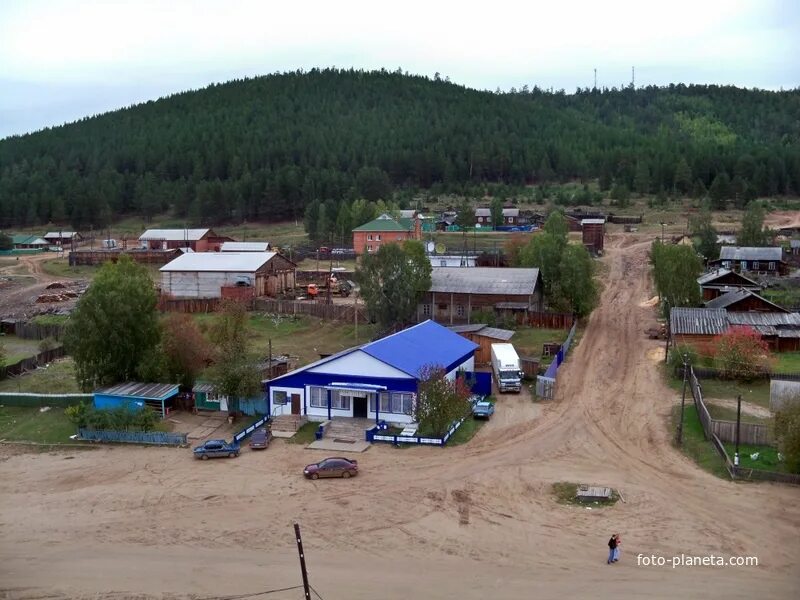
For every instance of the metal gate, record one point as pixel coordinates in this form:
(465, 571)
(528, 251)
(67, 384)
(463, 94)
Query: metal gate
(545, 387)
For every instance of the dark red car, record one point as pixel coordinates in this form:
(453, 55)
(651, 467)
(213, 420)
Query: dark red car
(335, 466)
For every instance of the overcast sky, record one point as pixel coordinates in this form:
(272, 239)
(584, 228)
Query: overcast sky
(62, 60)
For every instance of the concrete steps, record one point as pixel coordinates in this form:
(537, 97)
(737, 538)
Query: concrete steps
(288, 423)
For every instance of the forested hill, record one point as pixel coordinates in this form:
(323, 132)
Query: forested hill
(261, 149)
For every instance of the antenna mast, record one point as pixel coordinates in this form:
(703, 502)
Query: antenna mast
(595, 79)
(633, 77)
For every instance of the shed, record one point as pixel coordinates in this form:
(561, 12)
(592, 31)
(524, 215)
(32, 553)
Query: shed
(199, 240)
(209, 274)
(743, 300)
(484, 336)
(62, 238)
(593, 234)
(721, 281)
(376, 381)
(135, 396)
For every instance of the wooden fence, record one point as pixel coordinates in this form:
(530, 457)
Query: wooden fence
(549, 320)
(156, 438)
(32, 362)
(188, 305)
(40, 400)
(38, 331)
(330, 312)
(711, 373)
(754, 434)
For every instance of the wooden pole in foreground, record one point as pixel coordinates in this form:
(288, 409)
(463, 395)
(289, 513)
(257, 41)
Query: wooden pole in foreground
(306, 589)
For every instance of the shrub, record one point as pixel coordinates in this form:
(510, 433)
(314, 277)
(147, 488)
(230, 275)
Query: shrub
(787, 430)
(675, 359)
(47, 343)
(116, 419)
(740, 353)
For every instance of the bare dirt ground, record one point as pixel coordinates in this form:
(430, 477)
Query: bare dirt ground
(476, 521)
(18, 296)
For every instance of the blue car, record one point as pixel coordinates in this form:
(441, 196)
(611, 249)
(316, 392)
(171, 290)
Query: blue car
(216, 449)
(482, 409)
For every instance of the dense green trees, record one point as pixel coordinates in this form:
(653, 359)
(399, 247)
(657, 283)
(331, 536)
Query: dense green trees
(265, 148)
(675, 272)
(113, 334)
(704, 233)
(753, 232)
(567, 269)
(392, 280)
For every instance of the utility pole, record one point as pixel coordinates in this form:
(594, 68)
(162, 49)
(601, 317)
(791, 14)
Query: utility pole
(595, 79)
(738, 425)
(633, 77)
(269, 364)
(683, 399)
(306, 590)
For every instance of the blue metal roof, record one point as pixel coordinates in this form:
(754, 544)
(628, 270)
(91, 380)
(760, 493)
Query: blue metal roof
(425, 344)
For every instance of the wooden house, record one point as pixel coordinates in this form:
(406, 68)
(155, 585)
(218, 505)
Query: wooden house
(28, 242)
(199, 240)
(742, 300)
(721, 281)
(62, 238)
(484, 336)
(593, 233)
(456, 293)
(766, 261)
(483, 217)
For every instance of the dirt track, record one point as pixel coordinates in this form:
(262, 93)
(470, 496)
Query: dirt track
(474, 522)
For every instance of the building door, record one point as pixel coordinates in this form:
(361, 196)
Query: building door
(360, 406)
(295, 404)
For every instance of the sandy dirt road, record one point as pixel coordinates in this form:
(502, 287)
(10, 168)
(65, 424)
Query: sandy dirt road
(472, 522)
(18, 298)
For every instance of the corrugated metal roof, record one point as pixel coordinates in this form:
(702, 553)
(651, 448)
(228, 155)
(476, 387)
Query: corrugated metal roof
(28, 240)
(484, 280)
(386, 223)
(697, 321)
(764, 319)
(174, 235)
(712, 275)
(240, 262)
(750, 253)
(244, 247)
(467, 328)
(60, 234)
(425, 344)
(203, 387)
(487, 212)
(496, 334)
(150, 391)
(734, 296)
(592, 222)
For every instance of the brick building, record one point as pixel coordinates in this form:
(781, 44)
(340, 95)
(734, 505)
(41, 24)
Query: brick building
(369, 237)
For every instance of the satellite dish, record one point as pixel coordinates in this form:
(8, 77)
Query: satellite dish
(431, 247)
(440, 248)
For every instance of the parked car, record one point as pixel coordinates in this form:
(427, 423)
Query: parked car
(482, 409)
(260, 439)
(332, 467)
(216, 449)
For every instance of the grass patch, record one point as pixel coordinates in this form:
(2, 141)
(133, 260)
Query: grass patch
(306, 433)
(756, 392)
(50, 319)
(565, 491)
(529, 340)
(57, 378)
(311, 264)
(59, 267)
(724, 413)
(17, 348)
(695, 445)
(767, 457)
(278, 234)
(787, 362)
(26, 424)
(468, 429)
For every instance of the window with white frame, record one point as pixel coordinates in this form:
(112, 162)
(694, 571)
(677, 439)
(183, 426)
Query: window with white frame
(369, 237)
(318, 397)
(460, 310)
(772, 266)
(426, 308)
(755, 265)
(369, 248)
(400, 403)
(279, 397)
(378, 237)
(340, 400)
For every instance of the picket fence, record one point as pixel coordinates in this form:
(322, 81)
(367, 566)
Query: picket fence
(373, 435)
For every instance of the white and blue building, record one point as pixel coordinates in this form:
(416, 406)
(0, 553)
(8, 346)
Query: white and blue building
(375, 381)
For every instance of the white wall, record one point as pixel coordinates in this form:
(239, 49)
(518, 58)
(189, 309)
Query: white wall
(285, 409)
(467, 365)
(199, 284)
(358, 363)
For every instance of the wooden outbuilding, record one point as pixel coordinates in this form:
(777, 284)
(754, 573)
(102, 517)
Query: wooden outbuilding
(767, 261)
(199, 240)
(742, 300)
(484, 336)
(593, 232)
(721, 281)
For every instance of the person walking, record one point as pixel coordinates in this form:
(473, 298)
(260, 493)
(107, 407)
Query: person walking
(612, 549)
(617, 544)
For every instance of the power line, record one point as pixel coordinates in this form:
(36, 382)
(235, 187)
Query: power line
(252, 595)
(316, 592)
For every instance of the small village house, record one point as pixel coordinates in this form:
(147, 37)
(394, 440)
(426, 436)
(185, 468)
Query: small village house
(484, 336)
(766, 261)
(697, 327)
(742, 300)
(62, 238)
(721, 281)
(593, 234)
(136, 396)
(369, 237)
(236, 275)
(456, 293)
(199, 240)
(483, 217)
(375, 381)
(29, 242)
(450, 260)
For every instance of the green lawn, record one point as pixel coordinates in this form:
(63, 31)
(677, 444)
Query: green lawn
(57, 378)
(729, 414)
(468, 429)
(30, 425)
(17, 349)
(528, 341)
(304, 435)
(695, 445)
(756, 392)
(304, 337)
(787, 362)
(60, 268)
(50, 319)
(767, 457)
(277, 234)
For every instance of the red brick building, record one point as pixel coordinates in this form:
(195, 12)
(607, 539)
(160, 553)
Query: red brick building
(369, 237)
